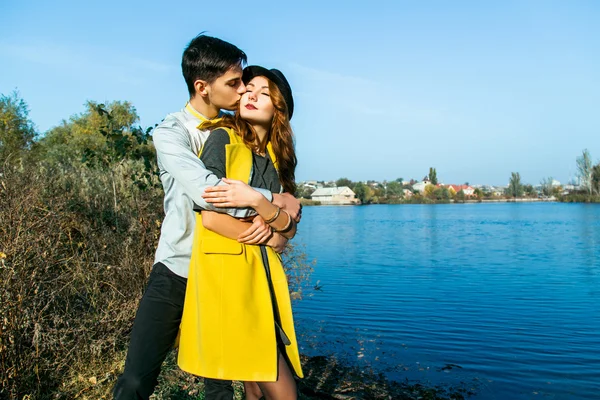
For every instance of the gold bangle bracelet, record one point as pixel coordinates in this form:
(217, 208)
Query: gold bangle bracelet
(274, 217)
(287, 227)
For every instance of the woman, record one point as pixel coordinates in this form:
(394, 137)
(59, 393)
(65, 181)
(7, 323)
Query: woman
(237, 322)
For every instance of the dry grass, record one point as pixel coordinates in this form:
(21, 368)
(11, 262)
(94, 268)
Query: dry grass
(74, 271)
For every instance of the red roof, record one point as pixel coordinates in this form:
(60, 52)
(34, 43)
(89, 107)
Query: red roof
(458, 188)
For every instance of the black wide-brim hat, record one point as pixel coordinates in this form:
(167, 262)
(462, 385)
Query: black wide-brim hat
(275, 76)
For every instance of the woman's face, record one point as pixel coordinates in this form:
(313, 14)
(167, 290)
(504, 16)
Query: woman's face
(256, 106)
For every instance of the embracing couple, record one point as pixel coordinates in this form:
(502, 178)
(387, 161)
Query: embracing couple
(218, 288)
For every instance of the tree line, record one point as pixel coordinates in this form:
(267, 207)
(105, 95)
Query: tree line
(588, 185)
(399, 191)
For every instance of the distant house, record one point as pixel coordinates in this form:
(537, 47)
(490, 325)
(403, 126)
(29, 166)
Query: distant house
(496, 191)
(467, 190)
(407, 193)
(342, 195)
(309, 184)
(420, 186)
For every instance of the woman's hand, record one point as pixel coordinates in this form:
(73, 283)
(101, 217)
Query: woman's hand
(277, 242)
(258, 233)
(234, 194)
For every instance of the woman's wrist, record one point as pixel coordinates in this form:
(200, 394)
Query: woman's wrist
(273, 217)
(288, 225)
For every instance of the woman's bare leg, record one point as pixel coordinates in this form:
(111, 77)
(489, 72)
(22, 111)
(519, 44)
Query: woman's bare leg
(284, 388)
(252, 391)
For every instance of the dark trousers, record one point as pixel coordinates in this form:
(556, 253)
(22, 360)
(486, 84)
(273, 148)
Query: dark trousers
(154, 332)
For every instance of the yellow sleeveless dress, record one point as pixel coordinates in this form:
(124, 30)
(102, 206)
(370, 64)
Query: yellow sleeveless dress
(228, 325)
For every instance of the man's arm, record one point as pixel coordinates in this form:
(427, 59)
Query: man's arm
(173, 149)
(239, 194)
(235, 229)
(226, 196)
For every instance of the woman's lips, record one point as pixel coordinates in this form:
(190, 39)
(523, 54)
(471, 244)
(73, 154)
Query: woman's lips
(251, 107)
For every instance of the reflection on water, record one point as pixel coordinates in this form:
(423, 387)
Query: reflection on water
(508, 292)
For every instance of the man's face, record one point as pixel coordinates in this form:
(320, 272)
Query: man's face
(225, 92)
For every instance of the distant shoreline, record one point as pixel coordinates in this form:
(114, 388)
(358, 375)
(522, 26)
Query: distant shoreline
(307, 202)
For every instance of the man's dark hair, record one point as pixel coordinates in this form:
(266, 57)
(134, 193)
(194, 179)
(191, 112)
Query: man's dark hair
(207, 58)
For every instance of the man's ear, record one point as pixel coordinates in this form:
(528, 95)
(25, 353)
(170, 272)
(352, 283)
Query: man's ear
(201, 88)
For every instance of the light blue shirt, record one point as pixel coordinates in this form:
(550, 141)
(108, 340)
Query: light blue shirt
(184, 178)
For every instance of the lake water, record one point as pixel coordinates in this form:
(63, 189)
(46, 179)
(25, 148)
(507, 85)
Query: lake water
(504, 297)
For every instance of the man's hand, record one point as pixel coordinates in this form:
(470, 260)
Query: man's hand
(234, 194)
(277, 242)
(290, 204)
(258, 233)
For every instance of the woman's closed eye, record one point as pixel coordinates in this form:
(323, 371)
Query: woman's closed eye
(263, 93)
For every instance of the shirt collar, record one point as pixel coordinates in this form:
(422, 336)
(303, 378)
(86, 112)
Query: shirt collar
(193, 112)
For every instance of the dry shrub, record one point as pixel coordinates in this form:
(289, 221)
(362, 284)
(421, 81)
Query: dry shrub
(74, 270)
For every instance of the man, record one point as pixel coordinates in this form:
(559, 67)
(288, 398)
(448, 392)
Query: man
(212, 70)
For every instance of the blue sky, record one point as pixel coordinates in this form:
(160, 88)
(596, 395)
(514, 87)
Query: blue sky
(382, 89)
